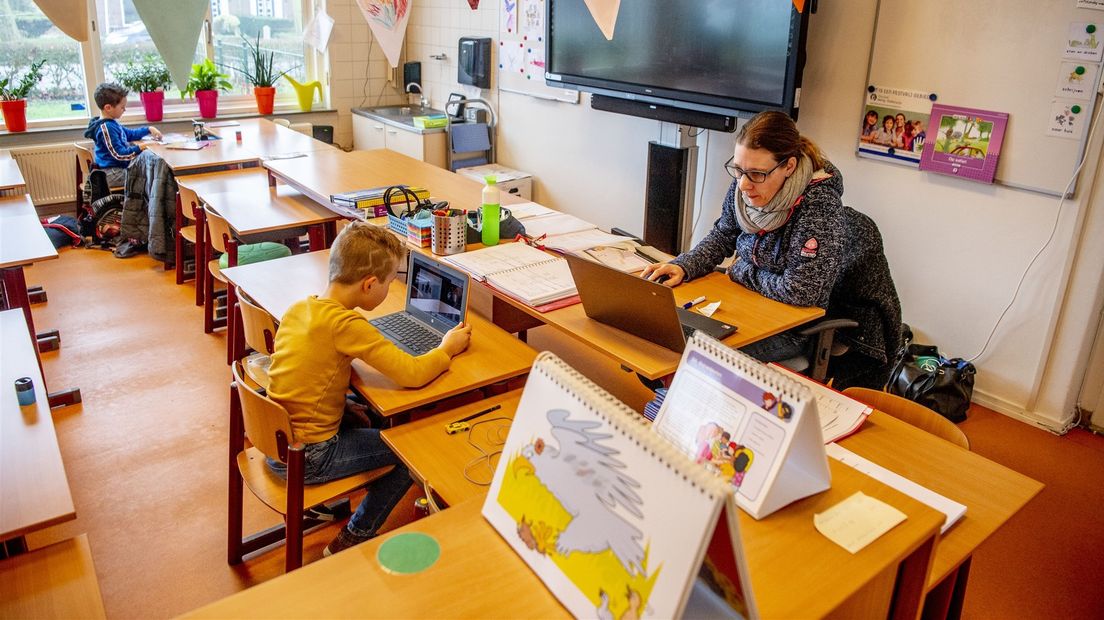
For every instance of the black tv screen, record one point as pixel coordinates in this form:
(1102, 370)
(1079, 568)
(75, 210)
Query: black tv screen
(722, 56)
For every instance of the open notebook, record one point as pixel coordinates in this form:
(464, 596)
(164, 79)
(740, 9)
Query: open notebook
(520, 271)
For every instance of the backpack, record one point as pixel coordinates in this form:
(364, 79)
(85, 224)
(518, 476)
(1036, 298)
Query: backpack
(63, 230)
(103, 226)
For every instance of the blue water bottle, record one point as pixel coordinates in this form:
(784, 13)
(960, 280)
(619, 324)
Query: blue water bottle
(24, 391)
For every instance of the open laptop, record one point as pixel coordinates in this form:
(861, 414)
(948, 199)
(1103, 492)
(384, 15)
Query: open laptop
(642, 308)
(436, 301)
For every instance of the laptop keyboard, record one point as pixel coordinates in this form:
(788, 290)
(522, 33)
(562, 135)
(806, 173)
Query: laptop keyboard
(688, 331)
(401, 329)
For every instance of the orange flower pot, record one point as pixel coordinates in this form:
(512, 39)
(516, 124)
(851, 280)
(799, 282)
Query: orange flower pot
(265, 96)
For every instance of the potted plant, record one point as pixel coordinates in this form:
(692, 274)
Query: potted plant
(148, 78)
(205, 82)
(259, 72)
(13, 98)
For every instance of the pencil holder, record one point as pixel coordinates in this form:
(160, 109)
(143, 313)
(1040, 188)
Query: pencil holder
(449, 234)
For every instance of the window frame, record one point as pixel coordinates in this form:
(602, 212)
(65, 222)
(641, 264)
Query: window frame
(176, 108)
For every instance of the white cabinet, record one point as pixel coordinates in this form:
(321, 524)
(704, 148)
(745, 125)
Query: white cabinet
(370, 133)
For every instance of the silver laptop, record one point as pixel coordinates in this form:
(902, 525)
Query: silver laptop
(436, 301)
(641, 307)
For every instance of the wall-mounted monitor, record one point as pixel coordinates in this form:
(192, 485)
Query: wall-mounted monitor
(724, 57)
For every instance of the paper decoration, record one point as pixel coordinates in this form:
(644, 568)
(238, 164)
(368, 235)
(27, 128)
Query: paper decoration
(964, 142)
(511, 57)
(534, 65)
(604, 13)
(799, 5)
(317, 32)
(532, 20)
(509, 14)
(70, 16)
(387, 19)
(474, 4)
(174, 28)
(893, 124)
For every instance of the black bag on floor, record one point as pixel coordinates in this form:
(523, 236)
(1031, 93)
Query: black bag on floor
(924, 376)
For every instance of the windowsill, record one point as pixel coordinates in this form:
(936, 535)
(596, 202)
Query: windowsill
(179, 113)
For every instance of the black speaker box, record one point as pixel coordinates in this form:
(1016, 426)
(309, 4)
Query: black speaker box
(669, 114)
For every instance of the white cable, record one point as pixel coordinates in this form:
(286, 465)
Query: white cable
(1053, 229)
(701, 194)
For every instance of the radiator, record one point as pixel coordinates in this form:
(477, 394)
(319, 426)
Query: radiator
(50, 172)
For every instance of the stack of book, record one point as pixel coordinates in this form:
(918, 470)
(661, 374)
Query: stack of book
(371, 200)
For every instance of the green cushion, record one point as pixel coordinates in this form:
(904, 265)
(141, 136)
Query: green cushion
(255, 253)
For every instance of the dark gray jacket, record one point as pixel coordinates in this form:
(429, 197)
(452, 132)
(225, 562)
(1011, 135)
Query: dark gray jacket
(827, 255)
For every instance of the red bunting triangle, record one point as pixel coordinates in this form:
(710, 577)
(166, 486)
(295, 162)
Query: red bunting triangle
(474, 4)
(798, 4)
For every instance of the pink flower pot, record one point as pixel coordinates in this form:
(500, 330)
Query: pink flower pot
(15, 115)
(154, 105)
(208, 103)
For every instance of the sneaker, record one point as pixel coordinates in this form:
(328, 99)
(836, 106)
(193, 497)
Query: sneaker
(129, 248)
(343, 541)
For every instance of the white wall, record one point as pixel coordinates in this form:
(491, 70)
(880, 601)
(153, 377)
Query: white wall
(957, 249)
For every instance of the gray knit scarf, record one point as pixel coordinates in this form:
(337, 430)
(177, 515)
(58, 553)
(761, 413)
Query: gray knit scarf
(777, 211)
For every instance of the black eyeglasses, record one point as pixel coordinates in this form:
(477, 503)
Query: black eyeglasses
(755, 176)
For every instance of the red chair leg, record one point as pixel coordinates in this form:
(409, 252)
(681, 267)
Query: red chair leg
(201, 255)
(293, 549)
(235, 490)
(179, 242)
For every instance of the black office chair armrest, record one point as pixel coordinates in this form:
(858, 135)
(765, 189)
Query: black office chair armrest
(827, 324)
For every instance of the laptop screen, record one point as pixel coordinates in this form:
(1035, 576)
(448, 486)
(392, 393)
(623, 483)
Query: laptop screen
(436, 294)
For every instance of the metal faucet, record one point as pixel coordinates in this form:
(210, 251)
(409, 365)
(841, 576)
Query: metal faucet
(421, 97)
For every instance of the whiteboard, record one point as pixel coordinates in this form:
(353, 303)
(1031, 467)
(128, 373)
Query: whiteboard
(520, 51)
(1000, 55)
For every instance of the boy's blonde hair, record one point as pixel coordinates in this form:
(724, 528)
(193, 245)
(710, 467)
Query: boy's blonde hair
(363, 250)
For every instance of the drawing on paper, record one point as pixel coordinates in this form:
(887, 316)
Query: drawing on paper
(387, 13)
(964, 142)
(532, 19)
(574, 502)
(721, 455)
(511, 11)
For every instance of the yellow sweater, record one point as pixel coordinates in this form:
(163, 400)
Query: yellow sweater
(315, 347)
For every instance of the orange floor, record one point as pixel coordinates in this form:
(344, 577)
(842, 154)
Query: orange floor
(146, 458)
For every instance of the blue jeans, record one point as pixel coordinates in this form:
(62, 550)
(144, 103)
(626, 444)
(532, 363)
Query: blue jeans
(352, 451)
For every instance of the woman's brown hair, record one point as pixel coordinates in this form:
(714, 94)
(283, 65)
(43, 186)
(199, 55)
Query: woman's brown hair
(774, 131)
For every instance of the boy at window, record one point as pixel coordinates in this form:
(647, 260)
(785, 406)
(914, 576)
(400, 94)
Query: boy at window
(114, 149)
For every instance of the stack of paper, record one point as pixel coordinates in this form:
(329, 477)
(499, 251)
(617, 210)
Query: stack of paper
(840, 415)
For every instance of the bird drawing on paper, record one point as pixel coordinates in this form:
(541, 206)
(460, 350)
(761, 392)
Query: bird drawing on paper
(591, 484)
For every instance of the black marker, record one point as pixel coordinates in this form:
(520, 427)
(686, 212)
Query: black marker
(461, 424)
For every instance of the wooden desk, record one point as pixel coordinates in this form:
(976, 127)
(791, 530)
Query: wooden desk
(32, 477)
(991, 492)
(273, 208)
(23, 242)
(11, 179)
(219, 154)
(58, 581)
(492, 357)
(795, 571)
(253, 180)
(755, 316)
(266, 139)
(437, 459)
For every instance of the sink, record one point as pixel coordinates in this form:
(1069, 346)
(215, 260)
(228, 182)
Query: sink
(402, 111)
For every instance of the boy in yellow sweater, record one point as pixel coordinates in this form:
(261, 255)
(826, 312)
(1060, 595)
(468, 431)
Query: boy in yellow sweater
(318, 339)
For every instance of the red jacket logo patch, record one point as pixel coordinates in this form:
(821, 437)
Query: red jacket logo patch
(809, 250)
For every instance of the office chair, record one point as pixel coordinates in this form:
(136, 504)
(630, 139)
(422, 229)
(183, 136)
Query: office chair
(822, 346)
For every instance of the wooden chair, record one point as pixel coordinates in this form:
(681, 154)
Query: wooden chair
(258, 329)
(86, 163)
(219, 240)
(189, 209)
(268, 427)
(911, 412)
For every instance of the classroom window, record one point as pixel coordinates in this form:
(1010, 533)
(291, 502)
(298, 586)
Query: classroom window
(27, 36)
(64, 94)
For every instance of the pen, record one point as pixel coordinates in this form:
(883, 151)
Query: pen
(462, 423)
(694, 302)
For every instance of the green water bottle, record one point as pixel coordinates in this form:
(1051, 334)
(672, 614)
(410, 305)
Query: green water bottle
(490, 211)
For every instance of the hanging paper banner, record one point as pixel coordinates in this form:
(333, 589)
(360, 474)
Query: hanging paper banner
(387, 19)
(799, 5)
(474, 4)
(317, 32)
(604, 13)
(174, 27)
(70, 16)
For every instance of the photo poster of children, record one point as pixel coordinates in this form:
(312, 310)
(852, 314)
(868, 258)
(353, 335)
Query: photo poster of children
(894, 124)
(964, 142)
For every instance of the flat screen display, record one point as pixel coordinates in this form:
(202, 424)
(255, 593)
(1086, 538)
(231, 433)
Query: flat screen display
(711, 55)
(435, 294)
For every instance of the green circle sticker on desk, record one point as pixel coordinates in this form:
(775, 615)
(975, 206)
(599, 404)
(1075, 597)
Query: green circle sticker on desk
(406, 554)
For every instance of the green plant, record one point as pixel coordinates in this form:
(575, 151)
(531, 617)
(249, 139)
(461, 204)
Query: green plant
(261, 73)
(205, 76)
(9, 92)
(146, 75)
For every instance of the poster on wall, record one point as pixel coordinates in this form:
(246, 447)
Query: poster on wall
(521, 51)
(893, 124)
(964, 142)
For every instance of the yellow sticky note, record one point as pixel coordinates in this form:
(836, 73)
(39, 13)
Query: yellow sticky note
(857, 521)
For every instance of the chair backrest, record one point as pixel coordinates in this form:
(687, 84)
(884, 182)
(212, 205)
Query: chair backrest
(266, 421)
(259, 326)
(189, 202)
(218, 230)
(84, 160)
(282, 121)
(911, 412)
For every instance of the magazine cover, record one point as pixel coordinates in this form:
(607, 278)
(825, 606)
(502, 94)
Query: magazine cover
(964, 142)
(894, 123)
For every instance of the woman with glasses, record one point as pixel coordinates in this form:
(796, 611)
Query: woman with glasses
(796, 242)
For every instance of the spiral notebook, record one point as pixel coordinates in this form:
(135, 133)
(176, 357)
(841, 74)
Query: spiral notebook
(523, 272)
(750, 424)
(613, 519)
